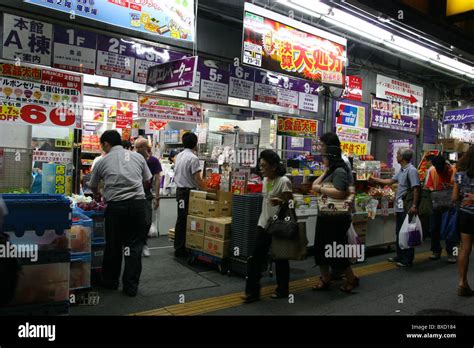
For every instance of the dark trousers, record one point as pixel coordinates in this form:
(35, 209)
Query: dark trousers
(124, 229)
(182, 197)
(436, 234)
(257, 263)
(405, 256)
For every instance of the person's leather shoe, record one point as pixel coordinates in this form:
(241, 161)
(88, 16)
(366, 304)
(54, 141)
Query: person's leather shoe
(250, 298)
(465, 291)
(393, 259)
(435, 256)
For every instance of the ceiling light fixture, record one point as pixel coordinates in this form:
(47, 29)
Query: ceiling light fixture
(366, 29)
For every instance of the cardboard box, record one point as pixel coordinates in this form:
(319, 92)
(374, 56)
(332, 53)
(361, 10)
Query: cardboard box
(463, 147)
(225, 203)
(218, 228)
(361, 228)
(203, 207)
(215, 247)
(194, 241)
(450, 144)
(198, 194)
(196, 224)
(171, 233)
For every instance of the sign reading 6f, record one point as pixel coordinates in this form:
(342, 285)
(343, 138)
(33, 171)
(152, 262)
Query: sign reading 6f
(40, 115)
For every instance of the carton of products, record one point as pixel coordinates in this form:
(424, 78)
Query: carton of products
(215, 247)
(450, 144)
(225, 203)
(198, 194)
(218, 228)
(196, 224)
(194, 241)
(203, 207)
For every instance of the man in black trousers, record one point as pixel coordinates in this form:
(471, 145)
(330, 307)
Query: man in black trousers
(124, 173)
(187, 177)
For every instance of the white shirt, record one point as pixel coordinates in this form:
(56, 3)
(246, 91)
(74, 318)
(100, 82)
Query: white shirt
(272, 189)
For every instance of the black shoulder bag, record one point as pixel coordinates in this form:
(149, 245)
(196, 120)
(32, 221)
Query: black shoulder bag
(284, 224)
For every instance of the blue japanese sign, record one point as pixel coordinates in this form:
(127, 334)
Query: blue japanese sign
(459, 116)
(166, 18)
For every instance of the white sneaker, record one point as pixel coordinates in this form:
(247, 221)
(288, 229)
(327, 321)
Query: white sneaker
(146, 251)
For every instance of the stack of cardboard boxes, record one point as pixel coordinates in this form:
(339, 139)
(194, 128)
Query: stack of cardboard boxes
(209, 221)
(454, 145)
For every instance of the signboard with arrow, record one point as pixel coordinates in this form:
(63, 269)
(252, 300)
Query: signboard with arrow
(399, 91)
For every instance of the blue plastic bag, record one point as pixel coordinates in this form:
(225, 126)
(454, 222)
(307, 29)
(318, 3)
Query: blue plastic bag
(449, 225)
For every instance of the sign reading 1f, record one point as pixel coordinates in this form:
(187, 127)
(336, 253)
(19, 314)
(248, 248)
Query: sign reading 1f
(79, 40)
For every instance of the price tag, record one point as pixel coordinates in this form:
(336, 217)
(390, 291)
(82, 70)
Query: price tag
(306, 172)
(295, 172)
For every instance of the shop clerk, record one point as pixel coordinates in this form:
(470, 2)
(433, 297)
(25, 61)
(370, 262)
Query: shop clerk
(187, 177)
(123, 173)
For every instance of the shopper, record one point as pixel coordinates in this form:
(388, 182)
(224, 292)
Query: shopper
(464, 192)
(331, 139)
(152, 201)
(124, 173)
(276, 191)
(332, 229)
(187, 177)
(429, 166)
(127, 145)
(439, 178)
(407, 178)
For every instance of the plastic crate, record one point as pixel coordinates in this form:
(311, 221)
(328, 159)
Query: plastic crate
(42, 283)
(98, 249)
(48, 240)
(37, 212)
(80, 274)
(98, 219)
(81, 233)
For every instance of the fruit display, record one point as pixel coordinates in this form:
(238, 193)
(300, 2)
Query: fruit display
(92, 206)
(366, 169)
(214, 181)
(382, 192)
(17, 191)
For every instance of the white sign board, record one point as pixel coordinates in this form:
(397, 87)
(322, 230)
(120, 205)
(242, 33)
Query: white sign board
(399, 91)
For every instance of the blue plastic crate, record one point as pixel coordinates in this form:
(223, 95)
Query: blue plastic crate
(37, 212)
(98, 217)
(80, 272)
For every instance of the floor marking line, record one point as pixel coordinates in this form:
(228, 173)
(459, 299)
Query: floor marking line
(233, 300)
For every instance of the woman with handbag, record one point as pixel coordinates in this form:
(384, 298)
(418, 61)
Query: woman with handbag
(277, 191)
(439, 183)
(334, 219)
(464, 192)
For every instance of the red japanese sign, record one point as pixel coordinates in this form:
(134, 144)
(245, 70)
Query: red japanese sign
(353, 88)
(38, 96)
(156, 125)
(272, 45)
(124, 115)
(297, 127)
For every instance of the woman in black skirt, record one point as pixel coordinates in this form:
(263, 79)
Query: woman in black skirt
(332, 229)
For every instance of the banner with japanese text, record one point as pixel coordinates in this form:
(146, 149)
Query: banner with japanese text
(40, 96)
(164, 18)
(52, 156)
(353, 139)
(168, 109)
(26, 40)
(124, 115)
(280, 44)
(394, 116)
(297, 127)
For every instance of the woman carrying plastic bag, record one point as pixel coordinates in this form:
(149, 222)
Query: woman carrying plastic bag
(411, 233)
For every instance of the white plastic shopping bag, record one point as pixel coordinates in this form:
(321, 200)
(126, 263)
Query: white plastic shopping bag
(411, 233)
(352, 236)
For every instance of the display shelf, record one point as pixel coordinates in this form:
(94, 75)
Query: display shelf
(91, 152)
